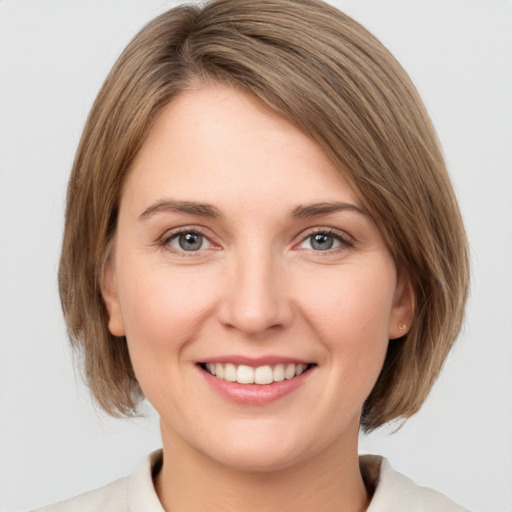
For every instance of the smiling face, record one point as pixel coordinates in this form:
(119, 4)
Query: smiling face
(241, 251)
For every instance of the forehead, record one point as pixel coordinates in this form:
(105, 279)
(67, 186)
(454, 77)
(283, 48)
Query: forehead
(217, 144)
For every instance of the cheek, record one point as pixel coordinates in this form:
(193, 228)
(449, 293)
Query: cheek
(162, 309)
(163, 313)
(349, 301)
(349, 311)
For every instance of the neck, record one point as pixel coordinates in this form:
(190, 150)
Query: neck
(328, 482)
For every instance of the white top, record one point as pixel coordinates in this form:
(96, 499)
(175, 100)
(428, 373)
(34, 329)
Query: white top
(394, 492)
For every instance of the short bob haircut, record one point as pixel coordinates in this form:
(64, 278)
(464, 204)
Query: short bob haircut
(331, 78)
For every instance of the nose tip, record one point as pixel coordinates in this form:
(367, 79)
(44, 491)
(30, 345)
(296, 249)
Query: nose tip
(255, 301)
(253, 319)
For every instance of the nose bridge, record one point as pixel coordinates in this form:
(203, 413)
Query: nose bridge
(255, 295)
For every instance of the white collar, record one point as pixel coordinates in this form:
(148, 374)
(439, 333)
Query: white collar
(393, 492)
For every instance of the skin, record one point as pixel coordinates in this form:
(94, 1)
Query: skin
(256, 287)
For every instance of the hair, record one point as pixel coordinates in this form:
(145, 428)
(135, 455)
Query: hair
(326, 74)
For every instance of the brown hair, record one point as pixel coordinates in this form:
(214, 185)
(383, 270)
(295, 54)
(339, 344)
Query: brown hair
(330, 77)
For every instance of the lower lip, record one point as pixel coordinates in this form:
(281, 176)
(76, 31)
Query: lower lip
(255, 394)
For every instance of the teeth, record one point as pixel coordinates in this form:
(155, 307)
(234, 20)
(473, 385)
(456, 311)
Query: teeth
(289, 372)
(230, 372)
(263, 375)
(244, 374)
(300, 369)
(279, 372)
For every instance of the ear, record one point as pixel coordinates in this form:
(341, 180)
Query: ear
(111, 298)
(402, 313)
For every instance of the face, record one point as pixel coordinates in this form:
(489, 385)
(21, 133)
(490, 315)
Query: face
(256, 295)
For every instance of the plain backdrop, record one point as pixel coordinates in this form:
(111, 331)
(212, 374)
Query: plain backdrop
(54, 56)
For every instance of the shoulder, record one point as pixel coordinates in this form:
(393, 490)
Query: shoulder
(113, 496)
(395, 492)
(134, 492)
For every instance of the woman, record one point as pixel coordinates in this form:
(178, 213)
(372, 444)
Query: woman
(262, 240)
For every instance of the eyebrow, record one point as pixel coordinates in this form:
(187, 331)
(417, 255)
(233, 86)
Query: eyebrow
(313, 210)
(170, 205)
(208, 210)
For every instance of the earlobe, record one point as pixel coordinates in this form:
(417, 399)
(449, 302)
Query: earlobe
(402, 313)
(111, 299)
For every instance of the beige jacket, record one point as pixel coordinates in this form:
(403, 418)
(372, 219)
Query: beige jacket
(393, 492)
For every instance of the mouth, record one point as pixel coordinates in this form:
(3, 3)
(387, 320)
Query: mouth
(259, 375)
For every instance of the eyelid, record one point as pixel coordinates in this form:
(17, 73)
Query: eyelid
(164, 240)
(345, 239)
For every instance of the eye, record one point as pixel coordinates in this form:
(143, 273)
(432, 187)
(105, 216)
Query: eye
(189, 241)
(325, 241)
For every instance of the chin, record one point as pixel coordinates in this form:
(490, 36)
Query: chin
(257, 460)
(260, 449)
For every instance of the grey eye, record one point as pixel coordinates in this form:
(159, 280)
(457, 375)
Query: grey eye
(322, 241)
(189, 241)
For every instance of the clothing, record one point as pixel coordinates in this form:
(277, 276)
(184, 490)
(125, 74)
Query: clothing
(393, 492)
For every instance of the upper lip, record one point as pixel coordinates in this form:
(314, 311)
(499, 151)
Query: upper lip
(255, 362)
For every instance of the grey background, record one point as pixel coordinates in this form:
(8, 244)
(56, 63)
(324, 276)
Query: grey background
(54, 56)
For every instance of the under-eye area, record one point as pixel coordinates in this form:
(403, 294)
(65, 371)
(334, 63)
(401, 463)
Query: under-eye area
(266, 374)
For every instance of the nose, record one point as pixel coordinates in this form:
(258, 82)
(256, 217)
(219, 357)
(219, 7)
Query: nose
(255, 300)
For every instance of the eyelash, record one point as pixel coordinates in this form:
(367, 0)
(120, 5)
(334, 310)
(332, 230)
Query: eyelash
(165, 240)
(345, 240)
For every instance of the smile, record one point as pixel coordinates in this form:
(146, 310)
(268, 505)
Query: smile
(262, 375)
